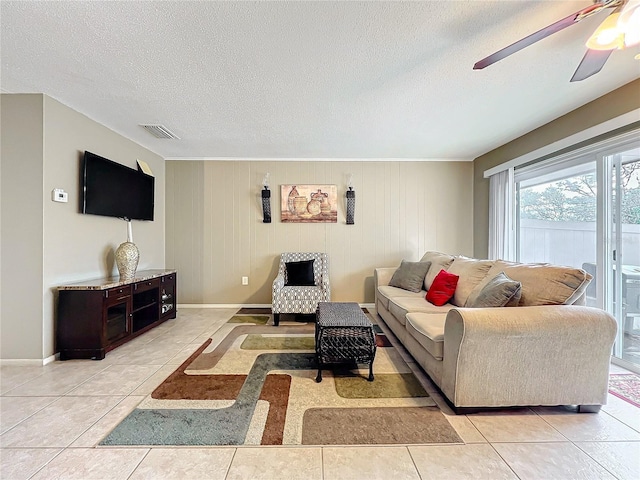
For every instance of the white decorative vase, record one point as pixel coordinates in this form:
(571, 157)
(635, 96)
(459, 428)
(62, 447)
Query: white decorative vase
(127, 256)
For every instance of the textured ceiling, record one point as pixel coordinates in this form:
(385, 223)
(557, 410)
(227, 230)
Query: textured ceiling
(306, 79)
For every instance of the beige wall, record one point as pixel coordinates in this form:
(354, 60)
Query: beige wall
(215, 233)
(614, 104)
(21, 246)
(70, 246)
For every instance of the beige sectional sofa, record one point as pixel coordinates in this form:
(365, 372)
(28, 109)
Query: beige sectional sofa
(547, 350)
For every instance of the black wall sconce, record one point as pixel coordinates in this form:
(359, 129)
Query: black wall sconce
(266, 200)
(351, 201)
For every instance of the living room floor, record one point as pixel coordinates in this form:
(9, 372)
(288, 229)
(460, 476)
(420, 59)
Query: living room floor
(53, 416)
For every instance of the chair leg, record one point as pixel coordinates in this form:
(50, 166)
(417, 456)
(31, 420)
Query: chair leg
(276, 319)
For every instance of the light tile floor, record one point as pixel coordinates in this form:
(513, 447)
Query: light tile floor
(52, 417)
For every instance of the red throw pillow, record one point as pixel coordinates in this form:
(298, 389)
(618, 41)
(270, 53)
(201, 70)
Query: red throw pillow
(442, 288)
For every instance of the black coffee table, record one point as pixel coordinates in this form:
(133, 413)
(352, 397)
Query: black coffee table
(344, 334)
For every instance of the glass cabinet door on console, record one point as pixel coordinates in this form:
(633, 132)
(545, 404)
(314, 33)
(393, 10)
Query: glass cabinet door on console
(117, 314)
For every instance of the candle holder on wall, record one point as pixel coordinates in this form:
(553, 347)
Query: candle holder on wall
(351, 202)
(266, 200)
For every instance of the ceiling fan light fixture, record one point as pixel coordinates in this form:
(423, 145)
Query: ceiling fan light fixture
(629, 23)
(607, 36)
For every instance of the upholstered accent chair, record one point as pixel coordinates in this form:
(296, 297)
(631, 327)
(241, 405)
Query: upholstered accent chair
(304, 297)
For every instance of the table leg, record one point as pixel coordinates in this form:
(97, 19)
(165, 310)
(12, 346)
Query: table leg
(371, 371)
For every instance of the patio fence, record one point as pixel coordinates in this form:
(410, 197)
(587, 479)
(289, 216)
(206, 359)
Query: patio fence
(571, 243)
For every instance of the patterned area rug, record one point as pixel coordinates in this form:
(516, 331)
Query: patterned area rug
(253, 384)
(625, 386)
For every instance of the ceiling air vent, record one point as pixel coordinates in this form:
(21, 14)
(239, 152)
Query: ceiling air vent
(160, 131)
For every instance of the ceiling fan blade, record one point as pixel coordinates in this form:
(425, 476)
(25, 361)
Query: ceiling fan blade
(539, 35)
(591, 63)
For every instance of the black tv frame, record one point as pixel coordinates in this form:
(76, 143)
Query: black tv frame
(111, 189)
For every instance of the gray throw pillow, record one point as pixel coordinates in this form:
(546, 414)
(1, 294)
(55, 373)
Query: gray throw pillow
(410, 275)
(500, 291)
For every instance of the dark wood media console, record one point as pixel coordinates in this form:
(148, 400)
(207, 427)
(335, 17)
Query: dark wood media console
(97, 316)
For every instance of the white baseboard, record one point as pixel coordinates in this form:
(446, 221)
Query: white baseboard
(51, 359)
(20, 362)
(242, 305)
(28, 362)
(223, 305)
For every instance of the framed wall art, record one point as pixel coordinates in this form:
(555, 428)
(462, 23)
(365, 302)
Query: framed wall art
(308, 203)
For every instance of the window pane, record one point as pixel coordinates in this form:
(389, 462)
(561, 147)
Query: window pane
(557, 217)
(626, 233)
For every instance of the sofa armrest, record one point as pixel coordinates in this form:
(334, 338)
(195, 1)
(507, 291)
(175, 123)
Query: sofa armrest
(382, 276)
(540, 355)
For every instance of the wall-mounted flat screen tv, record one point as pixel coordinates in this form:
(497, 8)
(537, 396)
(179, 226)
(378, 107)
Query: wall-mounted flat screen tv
(115, 190)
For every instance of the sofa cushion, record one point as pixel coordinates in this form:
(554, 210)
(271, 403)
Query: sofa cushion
(471, 273)
(399, 307)
(442, 288)
(439, 261)
(428, 330)
(545, 284)
(499, 291)
(386, 292)
(410, 275)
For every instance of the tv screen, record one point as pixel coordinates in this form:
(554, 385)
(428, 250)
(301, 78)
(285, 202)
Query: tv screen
(115, 190)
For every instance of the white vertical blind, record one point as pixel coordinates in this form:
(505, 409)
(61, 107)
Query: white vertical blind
(501, 215)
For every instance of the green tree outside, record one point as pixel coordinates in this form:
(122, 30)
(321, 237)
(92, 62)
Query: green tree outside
(574, 199)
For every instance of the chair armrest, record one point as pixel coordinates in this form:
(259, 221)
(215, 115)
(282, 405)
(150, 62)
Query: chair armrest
(542, 355)
(278, 283)
(326, 289)
(382, 276)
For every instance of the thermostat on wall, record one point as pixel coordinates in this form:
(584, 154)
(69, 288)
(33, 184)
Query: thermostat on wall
(59, 195)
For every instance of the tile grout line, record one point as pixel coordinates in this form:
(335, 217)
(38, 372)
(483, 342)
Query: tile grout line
(139, 463)
(595, 460)
(47, 463)
(550, 425)
(226, 474)
(23, 383)
(67, 393)
(505, 461)
(623, 421)
(413, 461)
(477, 430)
(34, 413)
(94, 423)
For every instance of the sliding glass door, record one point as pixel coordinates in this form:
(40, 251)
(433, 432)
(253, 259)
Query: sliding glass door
(624, 268)
(583, 210)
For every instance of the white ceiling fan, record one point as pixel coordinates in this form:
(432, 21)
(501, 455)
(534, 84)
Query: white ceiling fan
(621, 29)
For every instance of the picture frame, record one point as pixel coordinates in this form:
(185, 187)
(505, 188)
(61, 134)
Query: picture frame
(308, 203)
